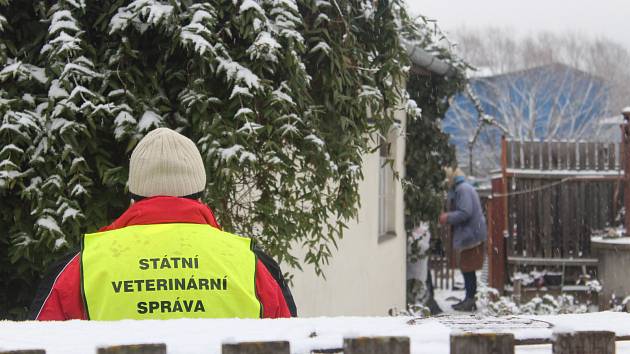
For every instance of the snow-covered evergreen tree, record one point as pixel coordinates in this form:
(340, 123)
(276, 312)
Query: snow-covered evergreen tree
(275, 92)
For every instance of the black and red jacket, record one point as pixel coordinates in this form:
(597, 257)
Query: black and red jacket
(59, 296)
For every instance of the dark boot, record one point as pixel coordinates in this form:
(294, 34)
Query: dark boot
(468, 305)
(458, 304)
(433, 307)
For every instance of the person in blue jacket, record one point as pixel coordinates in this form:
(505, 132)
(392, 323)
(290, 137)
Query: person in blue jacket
(469, 232)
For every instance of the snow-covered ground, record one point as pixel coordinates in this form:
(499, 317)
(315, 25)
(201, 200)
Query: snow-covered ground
(447, 297)
(428, 336)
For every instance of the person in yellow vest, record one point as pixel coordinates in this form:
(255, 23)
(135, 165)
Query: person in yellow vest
(165, 257)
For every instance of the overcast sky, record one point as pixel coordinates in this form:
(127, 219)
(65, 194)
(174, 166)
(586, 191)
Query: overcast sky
(599, 18)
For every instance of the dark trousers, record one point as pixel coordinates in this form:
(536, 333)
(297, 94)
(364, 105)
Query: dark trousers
(470, 283)
(429, 283)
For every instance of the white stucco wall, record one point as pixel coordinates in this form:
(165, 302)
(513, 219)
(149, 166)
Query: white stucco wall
(365, 276)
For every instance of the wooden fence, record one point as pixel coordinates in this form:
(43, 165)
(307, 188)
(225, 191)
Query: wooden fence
(586, 342)
(551, 196)
(563, 155)
(558, 193)
(442, 263)
(442, 272)
(555, 217)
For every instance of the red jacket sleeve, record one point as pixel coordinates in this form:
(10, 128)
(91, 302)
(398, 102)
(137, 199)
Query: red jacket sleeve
(270, 294)
(63, 301)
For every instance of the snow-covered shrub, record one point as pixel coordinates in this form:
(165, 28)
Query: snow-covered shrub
(619, 304)
(490, 303)
(594, 286)
(548, 305)
(413, 310)
(613, 232)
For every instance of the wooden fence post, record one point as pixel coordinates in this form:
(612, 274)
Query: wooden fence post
(490, 221)
(587, 342)
(496, 240)
(26, 351)
(517, 292)
(279, 347)
(498, 224)
(376, 345)
(625, 162)
(482, 343)
(156, 348)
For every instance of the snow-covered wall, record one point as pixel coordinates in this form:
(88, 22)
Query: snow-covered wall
(367, 275)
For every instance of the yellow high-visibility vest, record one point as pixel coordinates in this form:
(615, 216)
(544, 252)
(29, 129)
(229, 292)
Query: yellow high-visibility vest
(168, 271)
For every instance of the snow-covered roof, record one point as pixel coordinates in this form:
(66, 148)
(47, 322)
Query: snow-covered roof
(545, 69)
(480, 72)
(614, 120)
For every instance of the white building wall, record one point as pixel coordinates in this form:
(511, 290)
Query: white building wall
(366, 276)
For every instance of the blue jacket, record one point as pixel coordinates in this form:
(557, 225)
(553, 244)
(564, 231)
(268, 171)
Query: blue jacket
(469, 223)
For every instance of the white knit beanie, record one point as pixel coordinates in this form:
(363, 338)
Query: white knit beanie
(166, 163)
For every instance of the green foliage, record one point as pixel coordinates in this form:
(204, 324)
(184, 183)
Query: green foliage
(428, 150)
(275, 93)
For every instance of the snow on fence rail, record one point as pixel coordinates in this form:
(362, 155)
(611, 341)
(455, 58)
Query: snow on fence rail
(433, 335)
(563, 155)
(582, 342)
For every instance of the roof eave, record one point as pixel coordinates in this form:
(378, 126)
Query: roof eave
(427, 61)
